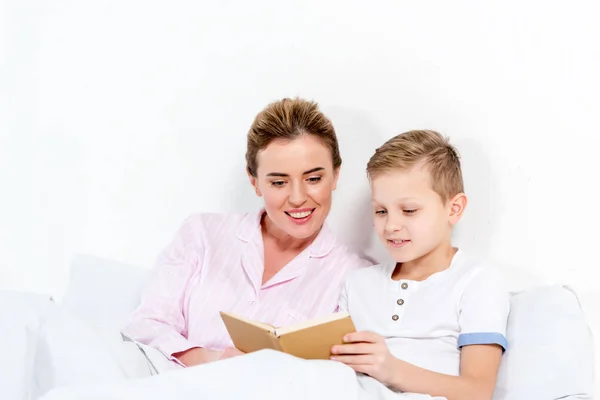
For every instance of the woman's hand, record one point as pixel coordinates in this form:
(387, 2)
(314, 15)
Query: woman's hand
(230, 352)
(367, 352)
(198, 355)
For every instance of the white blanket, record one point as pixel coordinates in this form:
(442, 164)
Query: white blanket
(264, 375)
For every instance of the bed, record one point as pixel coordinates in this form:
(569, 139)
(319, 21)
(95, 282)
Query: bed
(74, 342)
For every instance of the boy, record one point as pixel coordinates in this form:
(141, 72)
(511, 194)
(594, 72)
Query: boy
(434, 321)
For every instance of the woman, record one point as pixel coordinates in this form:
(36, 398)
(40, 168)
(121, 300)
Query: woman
(279, 265)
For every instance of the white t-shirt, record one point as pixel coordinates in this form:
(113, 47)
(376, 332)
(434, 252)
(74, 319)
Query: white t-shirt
(426, 323)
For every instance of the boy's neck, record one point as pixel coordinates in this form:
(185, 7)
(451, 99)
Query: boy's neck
(422, 268)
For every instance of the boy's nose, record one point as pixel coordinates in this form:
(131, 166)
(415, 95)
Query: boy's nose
(393, 225)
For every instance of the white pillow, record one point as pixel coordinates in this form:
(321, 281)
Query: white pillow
(550, 349)
(69, 352)
(590, 302)
(103, 292)
(20, 317)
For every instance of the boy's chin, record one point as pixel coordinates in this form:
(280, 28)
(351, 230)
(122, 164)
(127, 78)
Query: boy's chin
(405, 255)
(404, 260)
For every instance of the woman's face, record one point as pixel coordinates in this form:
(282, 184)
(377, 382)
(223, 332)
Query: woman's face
(296, 179)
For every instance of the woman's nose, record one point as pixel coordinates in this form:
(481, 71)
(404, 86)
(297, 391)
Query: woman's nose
(298, 195)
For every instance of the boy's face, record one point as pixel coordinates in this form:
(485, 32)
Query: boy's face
(410, 218)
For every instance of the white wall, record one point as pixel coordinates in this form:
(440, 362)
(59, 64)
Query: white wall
(122, 117)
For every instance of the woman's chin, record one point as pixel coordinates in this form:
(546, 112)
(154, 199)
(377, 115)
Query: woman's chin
(303, 230)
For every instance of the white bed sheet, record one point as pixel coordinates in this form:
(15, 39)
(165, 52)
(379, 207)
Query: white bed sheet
(264, 375)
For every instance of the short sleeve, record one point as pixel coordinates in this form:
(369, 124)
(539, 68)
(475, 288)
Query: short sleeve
(484, 308)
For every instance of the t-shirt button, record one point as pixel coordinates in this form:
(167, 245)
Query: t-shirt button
(404, 285)
(400, 302)
(395, 317)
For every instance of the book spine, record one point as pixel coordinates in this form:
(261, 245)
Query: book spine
(275, 342)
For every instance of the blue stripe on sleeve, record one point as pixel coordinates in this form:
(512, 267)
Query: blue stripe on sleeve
(466, 339)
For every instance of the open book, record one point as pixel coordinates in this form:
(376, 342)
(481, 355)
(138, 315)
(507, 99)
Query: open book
(311, 339)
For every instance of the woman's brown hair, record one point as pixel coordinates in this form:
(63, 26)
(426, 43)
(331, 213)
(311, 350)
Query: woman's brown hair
(289, 119)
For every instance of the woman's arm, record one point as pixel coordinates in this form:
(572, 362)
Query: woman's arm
(200, 355)
(159, 321)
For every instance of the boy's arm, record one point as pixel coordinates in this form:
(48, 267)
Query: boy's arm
(484, 308)
(478, 371)
(368, 353)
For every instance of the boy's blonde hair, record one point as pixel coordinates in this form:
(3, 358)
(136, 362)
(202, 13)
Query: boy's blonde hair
(430, 148)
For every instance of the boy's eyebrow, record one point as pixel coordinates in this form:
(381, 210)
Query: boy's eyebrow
(310, 171)
(397, 200)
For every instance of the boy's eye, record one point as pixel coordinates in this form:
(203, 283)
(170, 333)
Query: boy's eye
(380, 212)
(410, 211)
(277, 183)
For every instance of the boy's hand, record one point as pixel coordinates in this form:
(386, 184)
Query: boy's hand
(366, 352)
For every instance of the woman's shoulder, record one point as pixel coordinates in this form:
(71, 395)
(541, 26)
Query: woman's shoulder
(218, 224)
(351, 257)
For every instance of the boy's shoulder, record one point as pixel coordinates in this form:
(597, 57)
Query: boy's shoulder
(469, 270)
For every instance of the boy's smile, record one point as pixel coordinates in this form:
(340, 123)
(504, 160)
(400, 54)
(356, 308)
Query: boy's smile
(397, 243)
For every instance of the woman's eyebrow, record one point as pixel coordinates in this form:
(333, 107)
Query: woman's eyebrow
(310, 171)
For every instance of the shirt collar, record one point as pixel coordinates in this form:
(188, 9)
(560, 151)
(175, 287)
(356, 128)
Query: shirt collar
(250, 227)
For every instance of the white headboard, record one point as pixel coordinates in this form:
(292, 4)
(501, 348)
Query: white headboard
(126, 116)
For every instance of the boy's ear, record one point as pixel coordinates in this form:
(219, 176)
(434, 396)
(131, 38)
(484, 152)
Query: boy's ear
(457, 207)
(254, 183)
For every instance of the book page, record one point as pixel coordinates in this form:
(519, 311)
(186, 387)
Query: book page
(310, 341)
(249, 336)
(309, 323)
(258, 324)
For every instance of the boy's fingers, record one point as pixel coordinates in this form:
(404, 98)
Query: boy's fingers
(368, 337)
(353, 360)
(356, 348)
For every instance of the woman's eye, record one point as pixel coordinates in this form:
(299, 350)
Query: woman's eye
(277, 183)
(380, 212)
(314, 179)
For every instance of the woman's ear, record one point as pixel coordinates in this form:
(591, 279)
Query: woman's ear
(457, 207)
(336, 176)
(254, 183)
